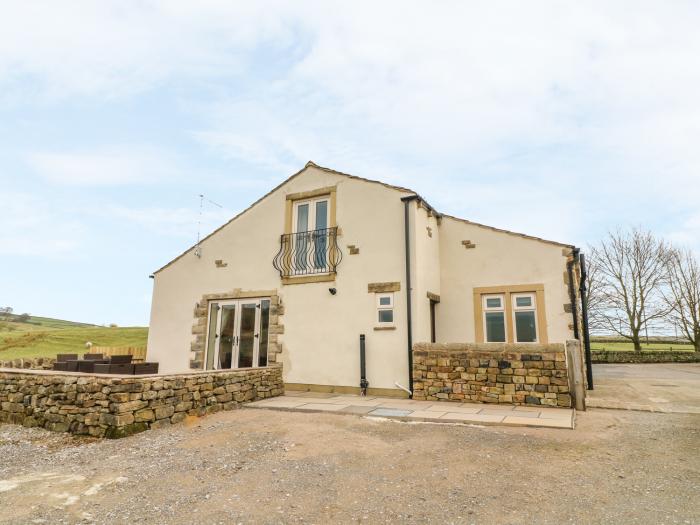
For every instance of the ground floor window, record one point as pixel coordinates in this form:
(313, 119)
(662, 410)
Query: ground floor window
(238, 333)
(494, 318)
(525, 317)
(385, 309)
(510, 314)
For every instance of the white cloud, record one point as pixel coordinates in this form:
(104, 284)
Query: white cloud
(32, 226)
(688, 233)
(107, 167)
(562, 103)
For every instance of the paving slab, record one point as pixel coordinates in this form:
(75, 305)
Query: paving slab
(427, 414)
(472, 418)
(355, 409)
(386, 412)
(455, 407)
(423, 411)
(322, 406)
(281, 402)
(530, 422)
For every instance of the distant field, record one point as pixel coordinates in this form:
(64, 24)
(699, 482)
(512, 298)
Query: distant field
(45, 337)
(656, 347)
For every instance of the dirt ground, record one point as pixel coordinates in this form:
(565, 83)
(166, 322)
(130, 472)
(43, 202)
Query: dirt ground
(263, 466)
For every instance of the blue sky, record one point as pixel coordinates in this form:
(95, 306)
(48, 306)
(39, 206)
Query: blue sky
(558, 119)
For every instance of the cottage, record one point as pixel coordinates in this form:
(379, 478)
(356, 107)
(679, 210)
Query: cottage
(325, 257)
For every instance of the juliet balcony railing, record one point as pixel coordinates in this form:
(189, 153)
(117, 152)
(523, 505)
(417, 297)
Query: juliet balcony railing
(308, 253)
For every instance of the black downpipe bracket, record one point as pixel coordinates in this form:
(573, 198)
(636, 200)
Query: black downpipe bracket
(584, 320)
(363, 367)
(409, 320)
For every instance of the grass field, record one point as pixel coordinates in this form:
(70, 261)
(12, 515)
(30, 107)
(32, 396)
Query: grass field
(45, 337)
(655, 347)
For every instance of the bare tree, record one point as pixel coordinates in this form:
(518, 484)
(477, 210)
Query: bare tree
(594, 293)
(632, 268)
(682, 295)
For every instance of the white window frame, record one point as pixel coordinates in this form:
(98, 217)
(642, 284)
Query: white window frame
(381, 307)
(490, 309)
(312, 212)
(532, 308)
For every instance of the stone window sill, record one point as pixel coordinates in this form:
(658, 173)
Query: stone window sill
(303, 279)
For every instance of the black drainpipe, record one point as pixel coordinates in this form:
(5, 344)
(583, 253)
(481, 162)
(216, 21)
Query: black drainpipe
(363, 367)
(584, 319)
(406, 201)
(572, 291)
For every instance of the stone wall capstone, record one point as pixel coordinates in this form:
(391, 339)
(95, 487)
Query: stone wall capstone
(518, 374)
(117, 406)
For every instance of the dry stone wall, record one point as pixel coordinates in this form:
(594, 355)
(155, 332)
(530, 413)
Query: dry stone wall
(605, 356)
(517, 374)
(117, 406)
(36, 363)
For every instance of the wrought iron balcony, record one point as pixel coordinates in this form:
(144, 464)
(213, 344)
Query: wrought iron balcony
(308, 253)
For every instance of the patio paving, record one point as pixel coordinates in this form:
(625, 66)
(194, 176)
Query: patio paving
(420, 411)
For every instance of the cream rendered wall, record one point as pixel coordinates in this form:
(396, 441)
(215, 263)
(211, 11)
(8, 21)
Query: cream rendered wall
(499, 258)
(321, 332)
(425, 269)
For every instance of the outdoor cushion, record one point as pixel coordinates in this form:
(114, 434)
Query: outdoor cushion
(120, 359)
(89, 365)
(71, 366)
(66, 357)
(121, 368)
(145, 368)
(101, 368)
(91, 357)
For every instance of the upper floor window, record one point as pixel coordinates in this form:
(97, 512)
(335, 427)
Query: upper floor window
(494, 318)
(311, 214)
(309, 244)
(525, 317)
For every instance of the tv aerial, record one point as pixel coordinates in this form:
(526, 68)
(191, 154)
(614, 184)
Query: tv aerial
(202, 199)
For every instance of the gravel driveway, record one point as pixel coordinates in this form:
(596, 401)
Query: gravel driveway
(261, 466)
(660, 387)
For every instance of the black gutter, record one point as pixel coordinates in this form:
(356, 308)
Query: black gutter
(409, 320)
(584, 319)
(572, 291)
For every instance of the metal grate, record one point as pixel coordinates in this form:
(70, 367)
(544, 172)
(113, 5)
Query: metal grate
(308, 253)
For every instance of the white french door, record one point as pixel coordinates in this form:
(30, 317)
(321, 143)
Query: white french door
(310, 228)
(237, 334)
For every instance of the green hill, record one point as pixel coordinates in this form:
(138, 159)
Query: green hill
(46, 337)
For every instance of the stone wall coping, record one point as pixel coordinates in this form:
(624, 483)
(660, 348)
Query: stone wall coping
(194, 373)
(490, 348)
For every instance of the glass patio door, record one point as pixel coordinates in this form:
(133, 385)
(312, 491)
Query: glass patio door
(248, 333)
(238, 334)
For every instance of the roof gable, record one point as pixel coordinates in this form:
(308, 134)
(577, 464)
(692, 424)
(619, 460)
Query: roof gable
(309, 164)
(401, 189)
